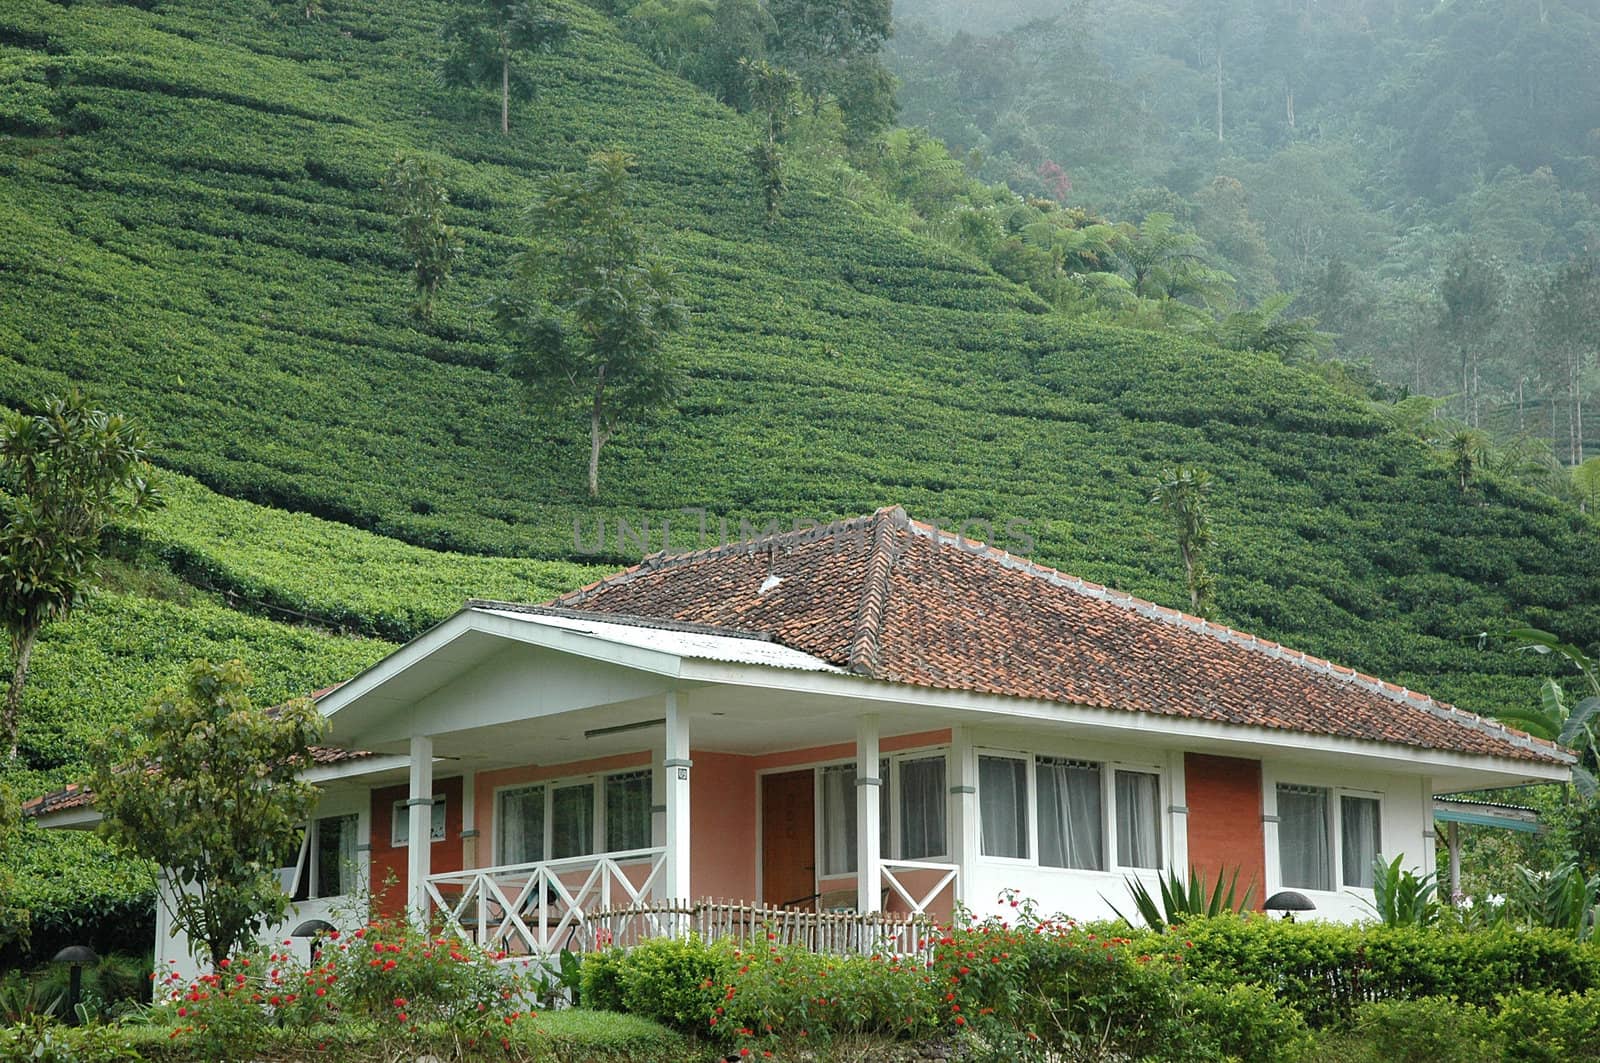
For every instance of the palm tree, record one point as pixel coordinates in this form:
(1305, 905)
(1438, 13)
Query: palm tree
(486, 35)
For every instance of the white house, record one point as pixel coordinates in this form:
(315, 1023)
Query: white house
(868, 716)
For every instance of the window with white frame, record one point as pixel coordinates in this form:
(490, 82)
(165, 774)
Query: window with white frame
(1312, 842)
(911, 824)
(1087, 815)
(400, 822)
(1138, 801)
(919, 809)
(327, 863)
(1305, 844)
(1071, 812)
(519, 825)
(1003, 806)
(573, 817)
(1360, 838)
(627, 811)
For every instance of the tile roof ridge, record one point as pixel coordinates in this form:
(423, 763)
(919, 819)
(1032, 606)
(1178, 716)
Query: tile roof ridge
(666, 559)
(866, 635)
(1245, 640)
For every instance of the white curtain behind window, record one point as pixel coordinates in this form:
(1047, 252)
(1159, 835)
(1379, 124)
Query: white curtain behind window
(1138, 819)
(839, 820)
(1071, 814)
(1003, 806)
(1303, 844)
(520, 822)
(572, 821)
(627, 811)
(1359, 839)
(922, 808)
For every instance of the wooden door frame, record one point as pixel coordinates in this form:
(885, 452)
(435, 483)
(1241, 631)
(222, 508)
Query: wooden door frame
(761, 825)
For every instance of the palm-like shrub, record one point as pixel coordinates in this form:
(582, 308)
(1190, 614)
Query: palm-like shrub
(1180, 900)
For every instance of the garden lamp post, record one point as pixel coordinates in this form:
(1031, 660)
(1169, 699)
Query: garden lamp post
(77, 955)
(1288, 902)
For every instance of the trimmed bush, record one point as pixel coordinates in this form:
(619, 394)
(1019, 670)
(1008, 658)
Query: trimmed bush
(1327, 970)
(1431, 1030)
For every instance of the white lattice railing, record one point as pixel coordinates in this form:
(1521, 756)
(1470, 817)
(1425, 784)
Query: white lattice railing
(943, 875)
(533, 909)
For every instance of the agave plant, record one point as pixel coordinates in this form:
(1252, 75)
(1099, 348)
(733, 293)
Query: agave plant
(1181, 900)
(1401, 897)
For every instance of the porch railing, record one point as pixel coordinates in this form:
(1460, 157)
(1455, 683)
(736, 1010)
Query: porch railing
(944, 876)
(537, 908)
(909, 934)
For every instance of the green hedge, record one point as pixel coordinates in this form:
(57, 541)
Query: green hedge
(1328, 971)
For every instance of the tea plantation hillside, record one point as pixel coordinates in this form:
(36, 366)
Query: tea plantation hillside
(190, 225)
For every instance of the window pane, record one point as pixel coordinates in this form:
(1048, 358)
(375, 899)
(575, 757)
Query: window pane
(1360, 838)
(1071, 814)
(294, 871)
(400, 832)
(572, 821)
(519, 826)
(1003, 806)
(839, 820)
(922, 807)
(1303, 842)
(628, 811)
(336, 856)
(885, 811)
(1138, 819)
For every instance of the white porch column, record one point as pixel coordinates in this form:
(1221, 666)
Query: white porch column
(963, 809)
(869, 810)
(675, 882)
(469, 819)
(419, 809)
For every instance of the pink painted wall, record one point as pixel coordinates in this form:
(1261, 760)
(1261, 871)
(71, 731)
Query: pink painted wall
(722, 826)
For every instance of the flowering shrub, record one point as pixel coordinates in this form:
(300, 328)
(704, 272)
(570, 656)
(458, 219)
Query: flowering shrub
(417, 989)
(1037, 985)
(769, 997)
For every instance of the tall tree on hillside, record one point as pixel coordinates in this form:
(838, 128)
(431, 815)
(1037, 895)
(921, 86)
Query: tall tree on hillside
(1473, 291)
(591, 306)
(834, 46)
(66, 473)
(1182, 495)
(207, 786)
(774, 95)
(418, 198)
(1567, 327)
(486, 39)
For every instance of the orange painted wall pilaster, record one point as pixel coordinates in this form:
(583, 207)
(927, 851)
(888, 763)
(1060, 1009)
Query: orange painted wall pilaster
(1223, 795)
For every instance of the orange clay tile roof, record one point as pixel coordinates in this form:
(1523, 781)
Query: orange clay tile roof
(894, 599)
